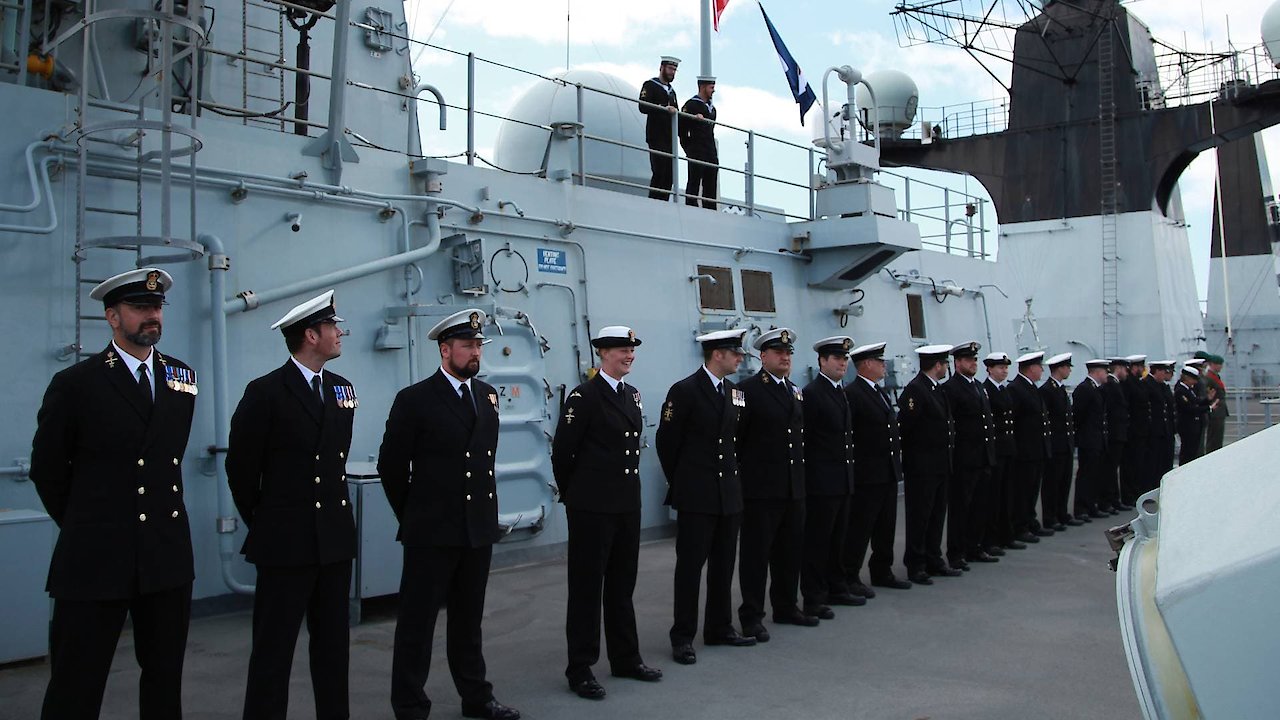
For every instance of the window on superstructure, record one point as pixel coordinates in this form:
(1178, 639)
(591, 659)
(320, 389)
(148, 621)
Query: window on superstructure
(757, 291)
(915, 315)
(717, 295)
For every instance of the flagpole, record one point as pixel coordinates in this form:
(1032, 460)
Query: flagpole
(706, 38)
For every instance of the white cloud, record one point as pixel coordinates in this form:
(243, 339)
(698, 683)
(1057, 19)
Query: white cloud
(543, 21)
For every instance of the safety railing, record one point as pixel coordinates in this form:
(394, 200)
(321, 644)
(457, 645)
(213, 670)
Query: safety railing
(1188, 78)
(1252, 409)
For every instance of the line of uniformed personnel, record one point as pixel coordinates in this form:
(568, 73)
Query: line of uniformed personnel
(806, 478)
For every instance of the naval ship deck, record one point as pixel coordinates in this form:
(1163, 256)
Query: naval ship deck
(1035, 635)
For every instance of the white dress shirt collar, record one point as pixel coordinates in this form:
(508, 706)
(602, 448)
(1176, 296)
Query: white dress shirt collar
(456, 383)
(307, 373)
(613, 384)
(715, 381)
(133, 363)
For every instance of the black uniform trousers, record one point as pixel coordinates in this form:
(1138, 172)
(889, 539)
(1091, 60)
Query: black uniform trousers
(826, 523)
(873, 519)
(703, 180)
(926, 501)
(1159, 461)
(1090, 479)
(283, 596)
(604, 550)
(1189, 450)
(771, 545)
(1055, 485)
(454, 578)
(1107, 493)
(660, 183)
(1027, 481)
(999, 502)
(82, 643)
(1132, 471)
(962, 488)
(711, 540)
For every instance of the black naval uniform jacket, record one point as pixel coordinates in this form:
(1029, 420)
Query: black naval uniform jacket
(828, 457)
(1061, 428)
(771, 439)
(697, 137)
(109, 472)
(595, 456)
(287, 464)
(437, 470)
(1160, 423)
(695, 442)
(1191, 411)
(877, 445)
(657, 126)
(1139, 409)
(928, 430)
(1002, 412)
(1030, 420)
(1117, 403)
(974, 425)
(1089, 412)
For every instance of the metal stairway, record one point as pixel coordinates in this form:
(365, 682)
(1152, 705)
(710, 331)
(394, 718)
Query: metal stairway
(1107, 183)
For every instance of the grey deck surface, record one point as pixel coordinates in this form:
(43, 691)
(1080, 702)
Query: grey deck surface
(1034, 636)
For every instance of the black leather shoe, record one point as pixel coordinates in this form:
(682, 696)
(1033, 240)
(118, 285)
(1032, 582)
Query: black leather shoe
(1078, 520)
(944, 571)
(1043, 532)
(983, 556)
(1059, 527)
(852, 598)
(492, 710)
(1020, 543)
(1113, 511)
(733, 639)
(893, 583)
(758, 632)
(684, 654)
(994, 550)
(959, 564)
(1097, 514)
(795, 617)
(919, 577)
(822, 612)
(640, 672)
(1124, 507)
(588, 688)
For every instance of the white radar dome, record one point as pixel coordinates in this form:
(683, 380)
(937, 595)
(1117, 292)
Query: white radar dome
(897, 96)
(1271, 32)
(522, 147)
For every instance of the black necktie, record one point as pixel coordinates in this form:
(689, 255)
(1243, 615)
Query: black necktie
(315, 390)
(144, 384)
(468, 404)
(884, 397)
(720, 389)
(620, 388)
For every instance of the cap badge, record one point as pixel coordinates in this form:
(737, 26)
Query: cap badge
(475, 321)
(153, 280)
(785, 337)
(631, 335)
(846, 344)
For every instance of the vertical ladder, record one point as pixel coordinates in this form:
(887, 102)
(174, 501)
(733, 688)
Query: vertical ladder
(262, 38)
(1107, 182)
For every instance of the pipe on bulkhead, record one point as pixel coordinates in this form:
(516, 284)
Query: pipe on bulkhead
(52, 225)
(415, 92)
(218, 266)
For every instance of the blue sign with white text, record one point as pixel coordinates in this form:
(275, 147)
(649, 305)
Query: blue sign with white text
(551, 261)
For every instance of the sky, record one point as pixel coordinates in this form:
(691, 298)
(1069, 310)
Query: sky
(626, 37)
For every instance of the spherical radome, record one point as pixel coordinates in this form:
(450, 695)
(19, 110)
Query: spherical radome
(1271, 32)
(521, 147)
(896, 94)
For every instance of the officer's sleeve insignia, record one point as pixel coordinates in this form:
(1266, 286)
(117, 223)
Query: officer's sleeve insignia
(493, 399)
(669, 412)
(568, 416)
(911, 403)
(575, 394)
(112, 359)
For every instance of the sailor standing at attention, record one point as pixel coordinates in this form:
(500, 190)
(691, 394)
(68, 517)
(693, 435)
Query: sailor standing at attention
(928, 438)
(1191, 411)
(596, 461)
(968, 490)
(107, 463)
(1089, 412)
(436, 463)
(1155, 387)
(286, 466)
(657, 126)
(1133, 470)
(695, 446)
(828, 481)
(1117, 435)
(1002, 505)
(1061, 429)
(697, 137)
(771, 450)
(1030, 429)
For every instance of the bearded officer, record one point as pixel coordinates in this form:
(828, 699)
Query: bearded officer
(828, 481)
(437, 464)
(1117, 435)
(695, 443)
(877, 470)
(596, 461)
(106, 462)
(1191, 412)
(771, 450)
(1002, 501)
(928, 440)
(286, 466)
(657, 126)
(1133, 471)
(1089, 413)
(1056, 482)
(968, 490)
(1030, 430)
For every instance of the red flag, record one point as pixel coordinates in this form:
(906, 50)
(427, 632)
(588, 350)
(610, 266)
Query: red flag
(718, 9)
